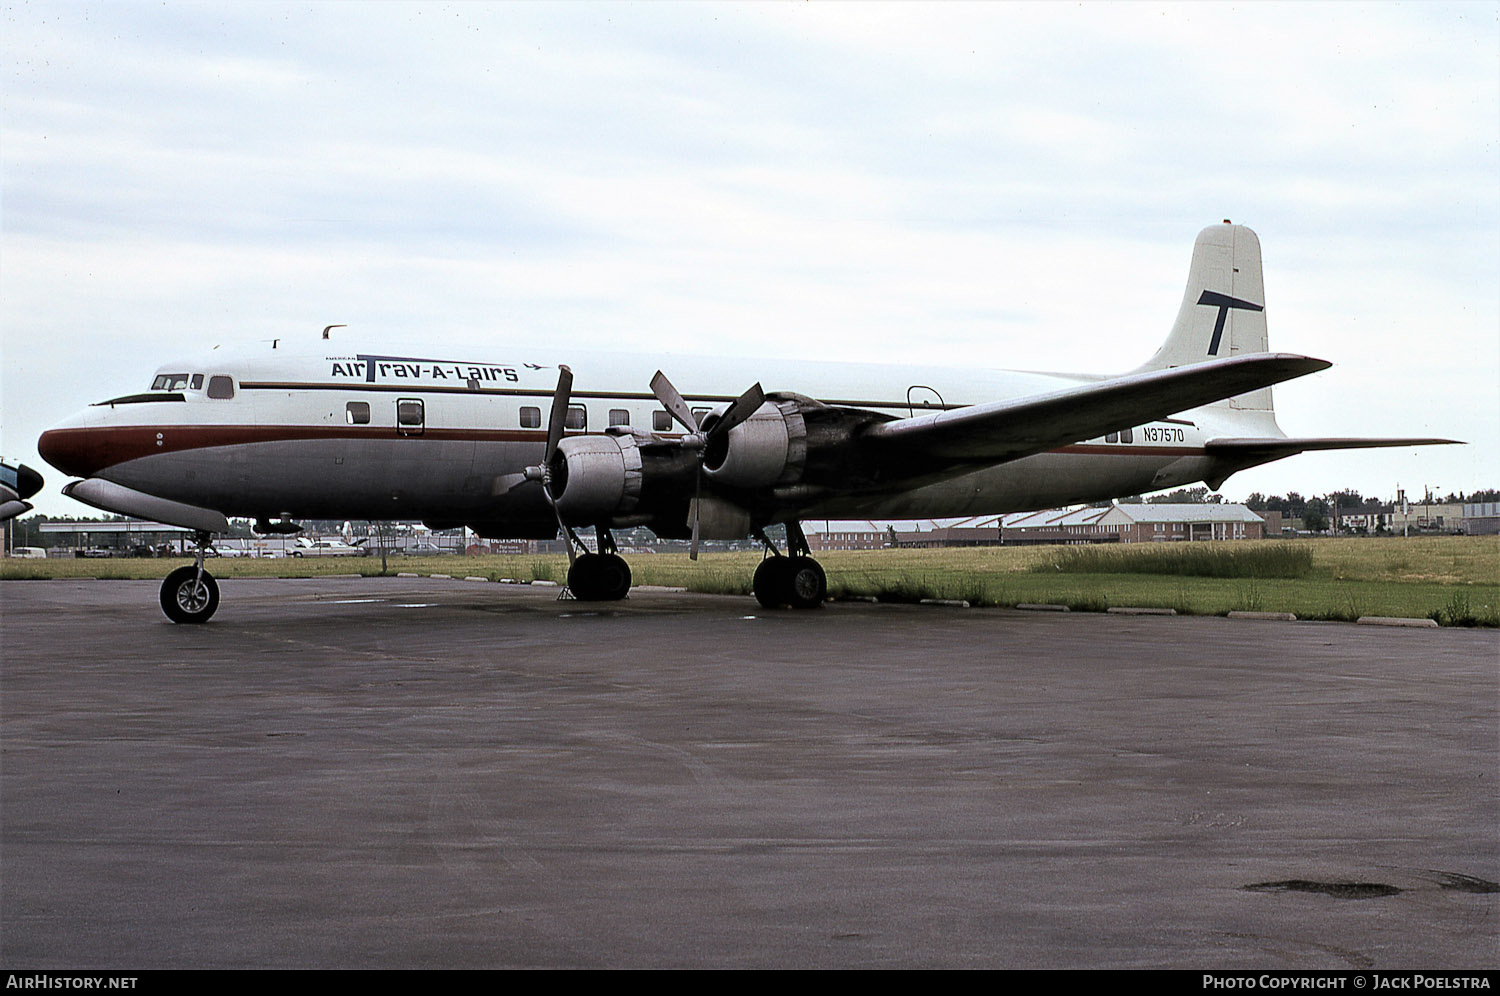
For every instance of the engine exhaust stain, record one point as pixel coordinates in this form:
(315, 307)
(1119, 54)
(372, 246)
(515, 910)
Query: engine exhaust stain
(1466, 883)
(1338, 890)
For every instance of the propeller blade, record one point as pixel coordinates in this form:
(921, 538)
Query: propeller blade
(557, 421)
(697, 496)
(741, 409)
(503, 484)
(673, 402)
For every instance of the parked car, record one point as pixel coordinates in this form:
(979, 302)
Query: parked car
(420, 549)
(326, 548)
(29, 552)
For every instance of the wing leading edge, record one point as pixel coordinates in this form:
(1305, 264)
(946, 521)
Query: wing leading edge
(1008, 430)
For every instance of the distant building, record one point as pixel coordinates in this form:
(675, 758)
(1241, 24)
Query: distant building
(841, 534)
(1369, 519)
(1057, 525)
(1429, 517)
(965, 532)
(1181, 523)
(1482, 518)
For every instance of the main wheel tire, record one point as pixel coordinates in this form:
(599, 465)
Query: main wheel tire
(187, 599)
(806, 584)
(599, 577)
(772, 582)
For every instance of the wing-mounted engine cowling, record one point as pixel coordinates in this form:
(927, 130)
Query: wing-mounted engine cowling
(595, 478)
(619, 478)
(767, 449)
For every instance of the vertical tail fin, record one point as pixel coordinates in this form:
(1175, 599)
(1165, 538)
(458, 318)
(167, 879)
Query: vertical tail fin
(1223, 309)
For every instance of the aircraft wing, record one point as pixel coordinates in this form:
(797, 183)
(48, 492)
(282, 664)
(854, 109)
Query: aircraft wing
(1008, 430)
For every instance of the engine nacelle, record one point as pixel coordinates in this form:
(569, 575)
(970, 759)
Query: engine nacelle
(768, 448)
(596, 478)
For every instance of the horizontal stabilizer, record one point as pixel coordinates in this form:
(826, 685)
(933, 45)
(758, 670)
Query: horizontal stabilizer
(1008, 430)
(1276, 448)
(1241, 453)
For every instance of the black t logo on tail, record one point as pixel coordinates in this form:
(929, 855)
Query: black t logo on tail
(1224, 302)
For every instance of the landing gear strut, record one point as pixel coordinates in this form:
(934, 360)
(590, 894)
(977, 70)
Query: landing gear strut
(190, 594)
(602, 576)
(796, 579)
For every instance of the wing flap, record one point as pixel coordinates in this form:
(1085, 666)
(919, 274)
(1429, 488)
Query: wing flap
(1008, 430)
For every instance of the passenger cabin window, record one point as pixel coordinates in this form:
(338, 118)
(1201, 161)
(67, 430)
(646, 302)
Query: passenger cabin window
(531, 417)
(619, 416)
(357, 413)
(661, 421)
(701, 413)
(170, 382)
(577, 418)
(411, 417)
(221, 388)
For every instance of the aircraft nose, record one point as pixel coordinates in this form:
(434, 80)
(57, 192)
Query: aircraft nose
(19, 481)
(28, 481)
(74, 451)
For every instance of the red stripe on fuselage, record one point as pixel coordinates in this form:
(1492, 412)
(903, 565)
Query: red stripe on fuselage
(86, 451)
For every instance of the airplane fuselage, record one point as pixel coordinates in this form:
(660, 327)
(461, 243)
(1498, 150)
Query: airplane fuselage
(408, 434)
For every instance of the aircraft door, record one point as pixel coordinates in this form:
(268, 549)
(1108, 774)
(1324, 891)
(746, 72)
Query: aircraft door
(920, 399)
(411, 417)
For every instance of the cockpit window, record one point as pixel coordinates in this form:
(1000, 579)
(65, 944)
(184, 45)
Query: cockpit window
(170, 382)
(197, 382)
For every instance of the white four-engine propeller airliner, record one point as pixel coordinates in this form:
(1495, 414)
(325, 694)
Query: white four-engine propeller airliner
(515, 447)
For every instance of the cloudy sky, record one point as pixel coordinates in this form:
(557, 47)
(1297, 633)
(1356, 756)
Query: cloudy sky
(1007, 185)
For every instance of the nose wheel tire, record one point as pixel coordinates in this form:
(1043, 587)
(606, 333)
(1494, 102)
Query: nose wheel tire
(187, 597)
(599, 577)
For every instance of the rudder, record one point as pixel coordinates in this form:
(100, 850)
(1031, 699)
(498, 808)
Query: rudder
(1223, 308)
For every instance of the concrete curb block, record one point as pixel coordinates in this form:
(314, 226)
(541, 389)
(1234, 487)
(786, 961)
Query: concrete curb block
(1125, 610)
(545, 584)
(952, 603)
(1397, 621)
(407, 574)
(1042, 607)
(446, 577)
(1277, 616)
(474, 578)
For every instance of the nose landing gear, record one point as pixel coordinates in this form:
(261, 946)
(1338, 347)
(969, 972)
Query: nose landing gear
(190, 594)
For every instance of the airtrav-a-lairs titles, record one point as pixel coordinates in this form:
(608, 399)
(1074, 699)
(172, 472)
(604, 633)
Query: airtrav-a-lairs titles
(370, 369)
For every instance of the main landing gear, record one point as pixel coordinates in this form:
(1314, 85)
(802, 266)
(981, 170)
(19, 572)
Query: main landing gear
(190, 594)
(795, 579)
(598, 577)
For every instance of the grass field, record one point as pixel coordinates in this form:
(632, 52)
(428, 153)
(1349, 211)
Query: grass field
(1453, 579)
